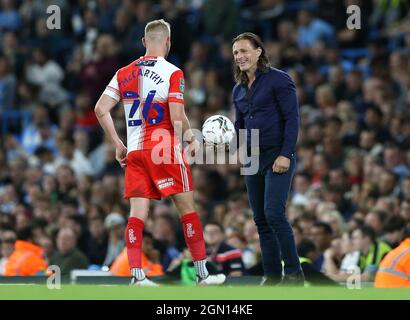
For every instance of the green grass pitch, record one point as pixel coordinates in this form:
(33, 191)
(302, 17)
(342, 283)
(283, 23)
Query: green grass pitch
(121, 292)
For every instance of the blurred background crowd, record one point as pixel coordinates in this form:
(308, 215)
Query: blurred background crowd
(61, 187)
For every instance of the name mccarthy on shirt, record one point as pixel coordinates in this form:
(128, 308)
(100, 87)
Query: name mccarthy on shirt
(146, 73)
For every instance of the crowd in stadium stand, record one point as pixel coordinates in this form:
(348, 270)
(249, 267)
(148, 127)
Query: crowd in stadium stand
(61, 188)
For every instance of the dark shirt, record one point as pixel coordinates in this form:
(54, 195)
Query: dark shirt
(227, 259)
(69, 261)
(97, 250)
(271, 106)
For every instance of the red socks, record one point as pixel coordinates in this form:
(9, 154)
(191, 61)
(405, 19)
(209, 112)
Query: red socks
(194, 235)
(133, 240)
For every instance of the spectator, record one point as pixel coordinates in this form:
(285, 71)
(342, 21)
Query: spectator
(394, 269)
(69, 155)
(405, 188)
(405, 210)
(341, 259)
(164, 231)
(98, 241)
(9, 17)
(376, 219)
(371, 251)
(227, 258)
(115, 224)
(301, 183)
(26, 259)
(322, 235)
(40, 133)
(313, 29)
(99, 71)
(394, 228)
(68, 257)
(308, 253)
(7, 85)
(47, 245)
(393, 161)
(7, 240)
(48, 76)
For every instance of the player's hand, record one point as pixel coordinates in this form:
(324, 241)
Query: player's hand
(193, 147)
(121, 154)
(281, 164)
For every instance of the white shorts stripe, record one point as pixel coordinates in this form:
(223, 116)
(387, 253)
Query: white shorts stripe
(184, 172)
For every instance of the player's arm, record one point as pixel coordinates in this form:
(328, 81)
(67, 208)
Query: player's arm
(102, 109)
(178, 117)
(180, 121)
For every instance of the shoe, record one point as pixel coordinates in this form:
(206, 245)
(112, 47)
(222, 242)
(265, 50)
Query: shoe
(270, 280)
(293, 279)
(211, 280)
(143, 283)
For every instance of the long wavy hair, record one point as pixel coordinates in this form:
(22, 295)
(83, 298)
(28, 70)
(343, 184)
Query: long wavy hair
(263, 62)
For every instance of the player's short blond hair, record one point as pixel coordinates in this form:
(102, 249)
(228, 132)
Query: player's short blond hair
(157, 30)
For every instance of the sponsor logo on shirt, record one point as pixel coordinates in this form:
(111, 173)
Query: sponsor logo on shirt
(146, 63)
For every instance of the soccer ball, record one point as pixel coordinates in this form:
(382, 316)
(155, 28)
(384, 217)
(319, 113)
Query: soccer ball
(218, 130)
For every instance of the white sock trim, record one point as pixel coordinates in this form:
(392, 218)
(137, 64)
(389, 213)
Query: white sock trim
(138, 273)
(201, 270)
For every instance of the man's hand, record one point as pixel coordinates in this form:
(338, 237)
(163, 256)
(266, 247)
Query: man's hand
(281, 164)
(121, 154)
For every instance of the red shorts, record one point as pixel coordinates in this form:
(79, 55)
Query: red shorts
(146, 179)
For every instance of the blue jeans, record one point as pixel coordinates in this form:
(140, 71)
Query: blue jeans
(268, 193)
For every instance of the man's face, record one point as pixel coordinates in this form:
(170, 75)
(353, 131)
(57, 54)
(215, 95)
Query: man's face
(245, 55)
(321, 239)
(391, 157)
(66, 241)
(386, 183)
(367, 139)
(405, 210)
(301, 184)
(337, 178)
(373, 220)
(7, 241)
(97, 228)
(357, 240)
(406, 189)
(213, 235)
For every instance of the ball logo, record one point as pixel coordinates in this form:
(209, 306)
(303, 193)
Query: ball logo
(131, 236)
(189, 230)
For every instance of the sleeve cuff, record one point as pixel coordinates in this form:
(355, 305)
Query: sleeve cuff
(287, 154)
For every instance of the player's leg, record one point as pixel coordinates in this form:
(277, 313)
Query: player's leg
(193, 233)
(192, 226)
(175, 180)
(139, 189)
(133, 238)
